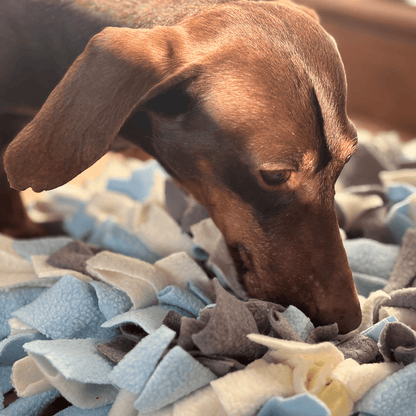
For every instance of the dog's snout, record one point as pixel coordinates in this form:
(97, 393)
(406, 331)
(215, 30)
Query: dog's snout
(311, 273)
(242, 259)
(336, 298)
(346, 313)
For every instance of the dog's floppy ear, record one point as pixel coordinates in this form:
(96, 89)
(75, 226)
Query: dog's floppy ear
(119, 70)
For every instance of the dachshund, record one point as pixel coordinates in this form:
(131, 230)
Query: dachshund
(243, 103)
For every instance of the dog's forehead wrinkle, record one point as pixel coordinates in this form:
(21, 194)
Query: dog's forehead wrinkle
(276, 160)
(283, 151)
(268, 135)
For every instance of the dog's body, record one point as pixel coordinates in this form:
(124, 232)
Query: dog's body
(243, 104)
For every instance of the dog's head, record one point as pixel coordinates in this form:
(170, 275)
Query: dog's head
(244, 104)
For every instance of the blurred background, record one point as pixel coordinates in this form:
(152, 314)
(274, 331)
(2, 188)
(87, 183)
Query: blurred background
(377, 42)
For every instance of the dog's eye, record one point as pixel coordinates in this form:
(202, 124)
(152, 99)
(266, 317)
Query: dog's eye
(275, 177)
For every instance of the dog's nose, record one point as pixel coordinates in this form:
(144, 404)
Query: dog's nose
(347, 321)
(351, 320)
(337, 301)
(345, 311)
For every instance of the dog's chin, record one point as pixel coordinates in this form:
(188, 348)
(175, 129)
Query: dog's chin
(319, 321)
(262, 286)
(346, 321)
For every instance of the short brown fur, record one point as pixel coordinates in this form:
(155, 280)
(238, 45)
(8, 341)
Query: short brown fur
(227, 97)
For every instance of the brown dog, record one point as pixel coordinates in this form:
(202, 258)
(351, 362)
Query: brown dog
(242, 103)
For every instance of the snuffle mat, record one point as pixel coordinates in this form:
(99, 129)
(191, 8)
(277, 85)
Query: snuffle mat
(138, 312)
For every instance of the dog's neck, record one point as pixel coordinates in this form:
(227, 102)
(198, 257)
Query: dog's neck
(146, 13)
